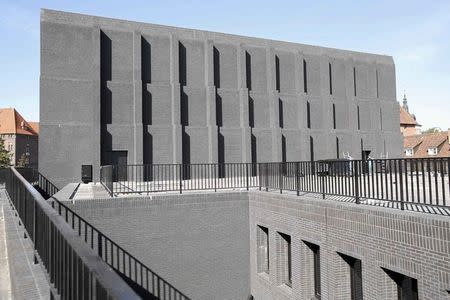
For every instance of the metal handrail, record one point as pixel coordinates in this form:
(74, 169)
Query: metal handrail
(100, 244)
(74, 270)
(408, 184)
(115, 256)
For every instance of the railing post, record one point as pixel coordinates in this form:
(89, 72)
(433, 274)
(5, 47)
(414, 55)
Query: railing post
(246, 172)
(181, 178)
(356, 181)
(35, 261)
(215, 177)
(267, 177)
(297, 178)
(402, 204)
(258, 166)
(280, 171)
(322, 169)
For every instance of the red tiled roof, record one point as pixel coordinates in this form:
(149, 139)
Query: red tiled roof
(422, 142)
(34, 126)
(11, 122)
(406, 118)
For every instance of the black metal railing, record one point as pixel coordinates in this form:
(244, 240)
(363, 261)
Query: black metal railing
(73, 270)
(145, 281)
(45, 186)
(125, 179)
(411, 184)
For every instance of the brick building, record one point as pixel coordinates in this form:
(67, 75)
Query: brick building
(421, 145)
(20, 137)
(427, 145)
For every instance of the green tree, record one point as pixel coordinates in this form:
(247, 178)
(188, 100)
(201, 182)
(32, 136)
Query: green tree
(432, 130)
(23, 161)
(5, 156)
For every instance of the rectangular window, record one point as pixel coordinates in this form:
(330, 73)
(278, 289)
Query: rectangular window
(285, 258)
(406, 286)
(354, 264)
(316, 267)
(334, 116)
(308, 114)
(305, 78)
(354, 81)
(262, 241)
(359, 120)
(432, 151)
(409, 151)
(331, 78)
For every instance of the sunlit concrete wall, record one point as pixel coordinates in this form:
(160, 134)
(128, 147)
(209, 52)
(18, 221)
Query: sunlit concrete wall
(115, 91)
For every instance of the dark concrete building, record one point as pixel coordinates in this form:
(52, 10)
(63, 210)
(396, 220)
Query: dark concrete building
(115, 91)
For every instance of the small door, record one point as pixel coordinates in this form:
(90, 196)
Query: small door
(365, 154)
(366, 165)
(119, 159)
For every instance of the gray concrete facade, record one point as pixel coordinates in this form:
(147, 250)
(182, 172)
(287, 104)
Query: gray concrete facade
(208, 245)
(116, 91)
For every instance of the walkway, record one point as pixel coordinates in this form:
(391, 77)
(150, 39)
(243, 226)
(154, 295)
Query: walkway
(20, 278)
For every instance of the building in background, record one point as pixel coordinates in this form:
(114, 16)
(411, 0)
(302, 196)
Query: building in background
(121, 92)
(20, 137)
(427, 145)
(421, 145)
(408, 123)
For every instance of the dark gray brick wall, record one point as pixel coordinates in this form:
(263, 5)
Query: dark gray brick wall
(413, 244)
(206, 244)
(199, 243)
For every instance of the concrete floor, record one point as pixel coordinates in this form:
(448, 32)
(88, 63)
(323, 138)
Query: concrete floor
(20, 278)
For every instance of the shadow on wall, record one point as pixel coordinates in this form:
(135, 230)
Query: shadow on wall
(221, 154)
(280, 113)
(105, 76)
(219, 112)
(105, 57)
(248, 70)
(251, 112)
(182, 64)
(146, 53)
(148, 147)
(105, 95)
(146, 105)
(216, 63)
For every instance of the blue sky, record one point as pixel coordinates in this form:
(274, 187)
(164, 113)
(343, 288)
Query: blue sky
(415, 33)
